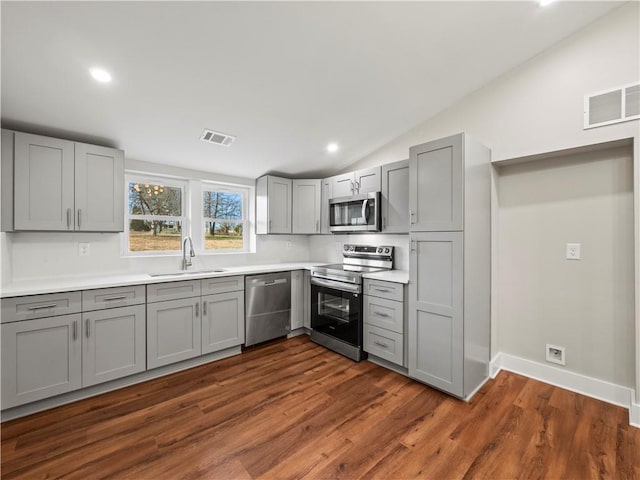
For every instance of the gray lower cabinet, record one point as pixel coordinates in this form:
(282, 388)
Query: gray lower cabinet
(113, 344)
(173, 331)
(436, 343)
(40, 358)
(297, 299)
(222, 321)
(384, 321)
(306, 320)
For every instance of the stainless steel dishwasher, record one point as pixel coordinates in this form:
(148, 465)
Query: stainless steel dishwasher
(267, 307)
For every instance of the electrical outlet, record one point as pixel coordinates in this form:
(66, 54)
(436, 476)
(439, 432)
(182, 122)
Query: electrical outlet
(556, 354)
(573, 251)
(83, 249)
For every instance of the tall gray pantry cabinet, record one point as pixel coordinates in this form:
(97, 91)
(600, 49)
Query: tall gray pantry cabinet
(450, 264)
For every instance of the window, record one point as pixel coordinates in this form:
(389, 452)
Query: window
(224, 215)
(156, 220)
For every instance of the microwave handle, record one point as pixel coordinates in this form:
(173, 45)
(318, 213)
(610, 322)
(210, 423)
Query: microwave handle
(365, 210)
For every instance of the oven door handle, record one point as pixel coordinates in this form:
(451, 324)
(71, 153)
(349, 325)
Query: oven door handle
(348, 287)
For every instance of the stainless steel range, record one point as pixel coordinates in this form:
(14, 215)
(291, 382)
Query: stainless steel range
(336, 298)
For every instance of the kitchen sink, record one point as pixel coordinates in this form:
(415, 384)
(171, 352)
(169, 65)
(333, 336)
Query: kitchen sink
(186, 273)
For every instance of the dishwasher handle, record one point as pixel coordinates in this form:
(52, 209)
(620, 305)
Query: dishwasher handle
(268, 283)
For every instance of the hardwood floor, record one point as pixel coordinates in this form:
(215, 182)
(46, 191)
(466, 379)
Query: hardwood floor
(293, 409)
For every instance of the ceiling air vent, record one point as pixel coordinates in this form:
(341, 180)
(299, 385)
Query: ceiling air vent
(612, 106)
(218, 138)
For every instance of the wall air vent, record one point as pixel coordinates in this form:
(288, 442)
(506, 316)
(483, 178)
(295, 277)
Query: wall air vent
(612, 106)
(217, 138)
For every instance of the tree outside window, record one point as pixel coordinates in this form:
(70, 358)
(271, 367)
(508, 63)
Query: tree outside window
(224, 218)
(155, 218)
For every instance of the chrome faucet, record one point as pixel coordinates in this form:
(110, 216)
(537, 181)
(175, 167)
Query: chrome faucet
(186, 262)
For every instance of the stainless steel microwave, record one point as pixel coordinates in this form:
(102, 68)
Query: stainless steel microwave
(357, 213)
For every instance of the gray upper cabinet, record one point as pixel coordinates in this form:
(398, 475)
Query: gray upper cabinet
(327, 193)
(99, 180)
(450, 265)
(436, 191)
(44, 183)
(273, 205)
(59, 185)
(307, 196)
(395, 197)
(358, 182)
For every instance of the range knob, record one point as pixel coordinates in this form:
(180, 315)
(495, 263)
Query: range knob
(386, 250)
(346, 247)
(379, 250)
(352, 248)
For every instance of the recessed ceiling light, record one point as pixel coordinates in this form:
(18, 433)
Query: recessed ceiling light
(332, 147)
(100, 75)
(544, 3)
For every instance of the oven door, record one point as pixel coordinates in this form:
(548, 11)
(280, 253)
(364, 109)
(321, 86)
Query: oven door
(336, 310)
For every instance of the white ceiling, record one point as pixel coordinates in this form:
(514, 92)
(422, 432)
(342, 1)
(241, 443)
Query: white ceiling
(286, 78)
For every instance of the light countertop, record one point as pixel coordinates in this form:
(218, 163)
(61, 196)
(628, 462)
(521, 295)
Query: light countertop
(65, 284)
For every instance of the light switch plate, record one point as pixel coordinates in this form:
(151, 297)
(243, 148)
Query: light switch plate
(573, 251)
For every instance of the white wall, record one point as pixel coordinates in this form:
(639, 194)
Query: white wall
(41, 255)
(586, 305)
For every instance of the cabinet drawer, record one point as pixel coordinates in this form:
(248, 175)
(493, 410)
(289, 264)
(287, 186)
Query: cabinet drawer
(380, 288)
(40, 306)
(113, 297)
(384, 313)
(160, 292)
(384, 344)
(222, 284)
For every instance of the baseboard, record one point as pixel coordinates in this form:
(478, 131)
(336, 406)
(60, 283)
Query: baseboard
(575, 382)
(634, 415)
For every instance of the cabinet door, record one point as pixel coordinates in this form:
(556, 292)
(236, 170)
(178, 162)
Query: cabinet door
(173, 331)
(327, 194)
(368, 181)
(395, 197)
(343, 185)
(113, 344)
(306, 321)
(40, 358)
(99, 186)
(436, 188)
(279, 198)
(222, 321)
(306, 206)
(297, 299)
(44, 186)
(435, 328)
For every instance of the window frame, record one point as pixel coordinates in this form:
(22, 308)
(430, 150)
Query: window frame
(245, 194)
(184, 219)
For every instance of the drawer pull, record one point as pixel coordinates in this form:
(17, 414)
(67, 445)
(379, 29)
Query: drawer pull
(110, 299)
(381, 344)
(384, 290)
(381, 314)
(41, 307)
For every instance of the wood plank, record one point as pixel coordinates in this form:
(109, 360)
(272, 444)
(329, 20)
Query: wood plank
(292, 409)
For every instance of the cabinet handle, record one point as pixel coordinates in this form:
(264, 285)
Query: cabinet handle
(204, 308)
(75, 329)
(411, 215)
(197, 309)
(40, 307)
(110, 299)
(380, 314)
(269, 226)
(384, 290)
(413, 246)
(87, 326)
(68, 218)
(353, 187)
(317, 225)
(357, 186)
(381, 344)
(79, 217)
